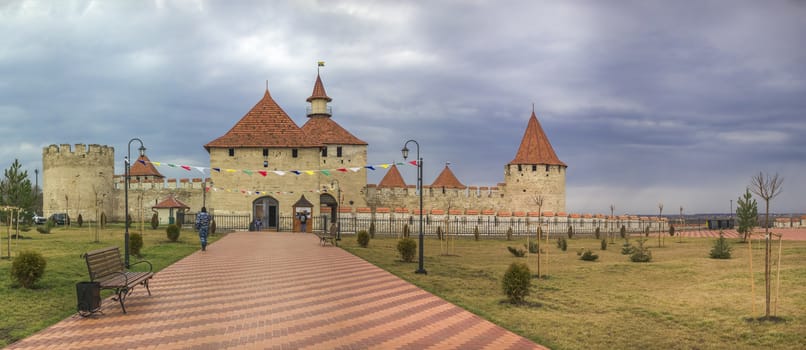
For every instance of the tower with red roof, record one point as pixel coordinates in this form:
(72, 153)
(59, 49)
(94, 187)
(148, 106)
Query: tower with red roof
(535, 172)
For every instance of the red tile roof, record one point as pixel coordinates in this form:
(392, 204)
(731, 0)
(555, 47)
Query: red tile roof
(319, 91)
(535, 146)
(265, 125)
(326, 131)
(392, 179)
(171, 202)
(447, 179)
(143, 167)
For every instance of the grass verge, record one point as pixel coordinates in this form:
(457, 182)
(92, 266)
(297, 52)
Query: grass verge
(680, 300)
(53, 298)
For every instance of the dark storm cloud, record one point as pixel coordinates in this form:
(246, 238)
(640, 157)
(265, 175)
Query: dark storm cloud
(680, 102)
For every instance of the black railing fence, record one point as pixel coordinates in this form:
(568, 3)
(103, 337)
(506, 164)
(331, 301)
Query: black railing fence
(222, 222)
(488, 226)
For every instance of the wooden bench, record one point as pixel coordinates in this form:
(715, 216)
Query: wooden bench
(328, 236)
(106, 267)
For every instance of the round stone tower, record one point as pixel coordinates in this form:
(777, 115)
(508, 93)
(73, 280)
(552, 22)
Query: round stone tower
(536, 172)
(78, 181)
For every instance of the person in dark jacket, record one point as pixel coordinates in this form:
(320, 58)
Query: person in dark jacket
(203, 225)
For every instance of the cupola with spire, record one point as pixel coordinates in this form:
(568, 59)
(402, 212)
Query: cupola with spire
(319, 100)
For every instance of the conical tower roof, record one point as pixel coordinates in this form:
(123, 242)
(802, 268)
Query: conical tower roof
(321, 127)
(392, 179)
(535, 146)
(447, 179)
(319, 91)
(143, 167)
(265, 125)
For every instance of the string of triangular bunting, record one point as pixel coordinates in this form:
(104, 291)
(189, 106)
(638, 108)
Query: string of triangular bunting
(326, 172)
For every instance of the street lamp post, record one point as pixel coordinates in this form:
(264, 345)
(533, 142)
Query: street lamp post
(405, 151)
(126, 180)
(338, 206)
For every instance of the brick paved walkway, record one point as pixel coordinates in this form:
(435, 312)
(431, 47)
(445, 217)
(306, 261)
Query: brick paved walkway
(277, 291)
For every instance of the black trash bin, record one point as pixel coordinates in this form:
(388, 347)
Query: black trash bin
(89, 297)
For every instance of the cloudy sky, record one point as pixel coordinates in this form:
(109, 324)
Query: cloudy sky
(679, 102)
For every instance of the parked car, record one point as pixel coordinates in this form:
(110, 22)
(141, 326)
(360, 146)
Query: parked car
(60, 218)
(38, 220)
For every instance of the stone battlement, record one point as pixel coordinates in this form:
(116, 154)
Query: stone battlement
(80, 149)
(160, 184)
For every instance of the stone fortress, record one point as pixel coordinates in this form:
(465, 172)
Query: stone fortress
(266, 167)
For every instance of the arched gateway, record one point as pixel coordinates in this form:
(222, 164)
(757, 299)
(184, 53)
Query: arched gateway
(265, 209)
(327, 201)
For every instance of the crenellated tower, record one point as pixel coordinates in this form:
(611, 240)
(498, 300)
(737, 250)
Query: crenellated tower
(78, 181)
(535, 171)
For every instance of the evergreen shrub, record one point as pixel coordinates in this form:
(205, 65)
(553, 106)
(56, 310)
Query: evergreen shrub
(641, 253)
(721, 248)
(533, 246)
(362, 237)
(587, 255)
(172, 232)
(27, 268)
(406, 247)
(517, 252)
(135, 243)
(155, 221)
(517, 281)
(627, 248)
(46, 227)
(562, 243)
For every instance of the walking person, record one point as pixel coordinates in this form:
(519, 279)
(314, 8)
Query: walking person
(203, 225)
(303, 220)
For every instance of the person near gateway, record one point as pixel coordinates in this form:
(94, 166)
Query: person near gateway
(303, 220)
(203, 225)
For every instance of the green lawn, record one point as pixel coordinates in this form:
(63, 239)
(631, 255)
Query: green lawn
(680, 300)
(26, 311)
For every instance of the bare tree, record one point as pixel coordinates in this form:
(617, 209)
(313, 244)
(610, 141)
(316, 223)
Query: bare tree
(610, 232)
(767, 187)
(682, 225)
(660, 230)
(538, 199)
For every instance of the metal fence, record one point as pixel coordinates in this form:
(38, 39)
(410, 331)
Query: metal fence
(222, 222)
(492, 227)
(487, 226)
